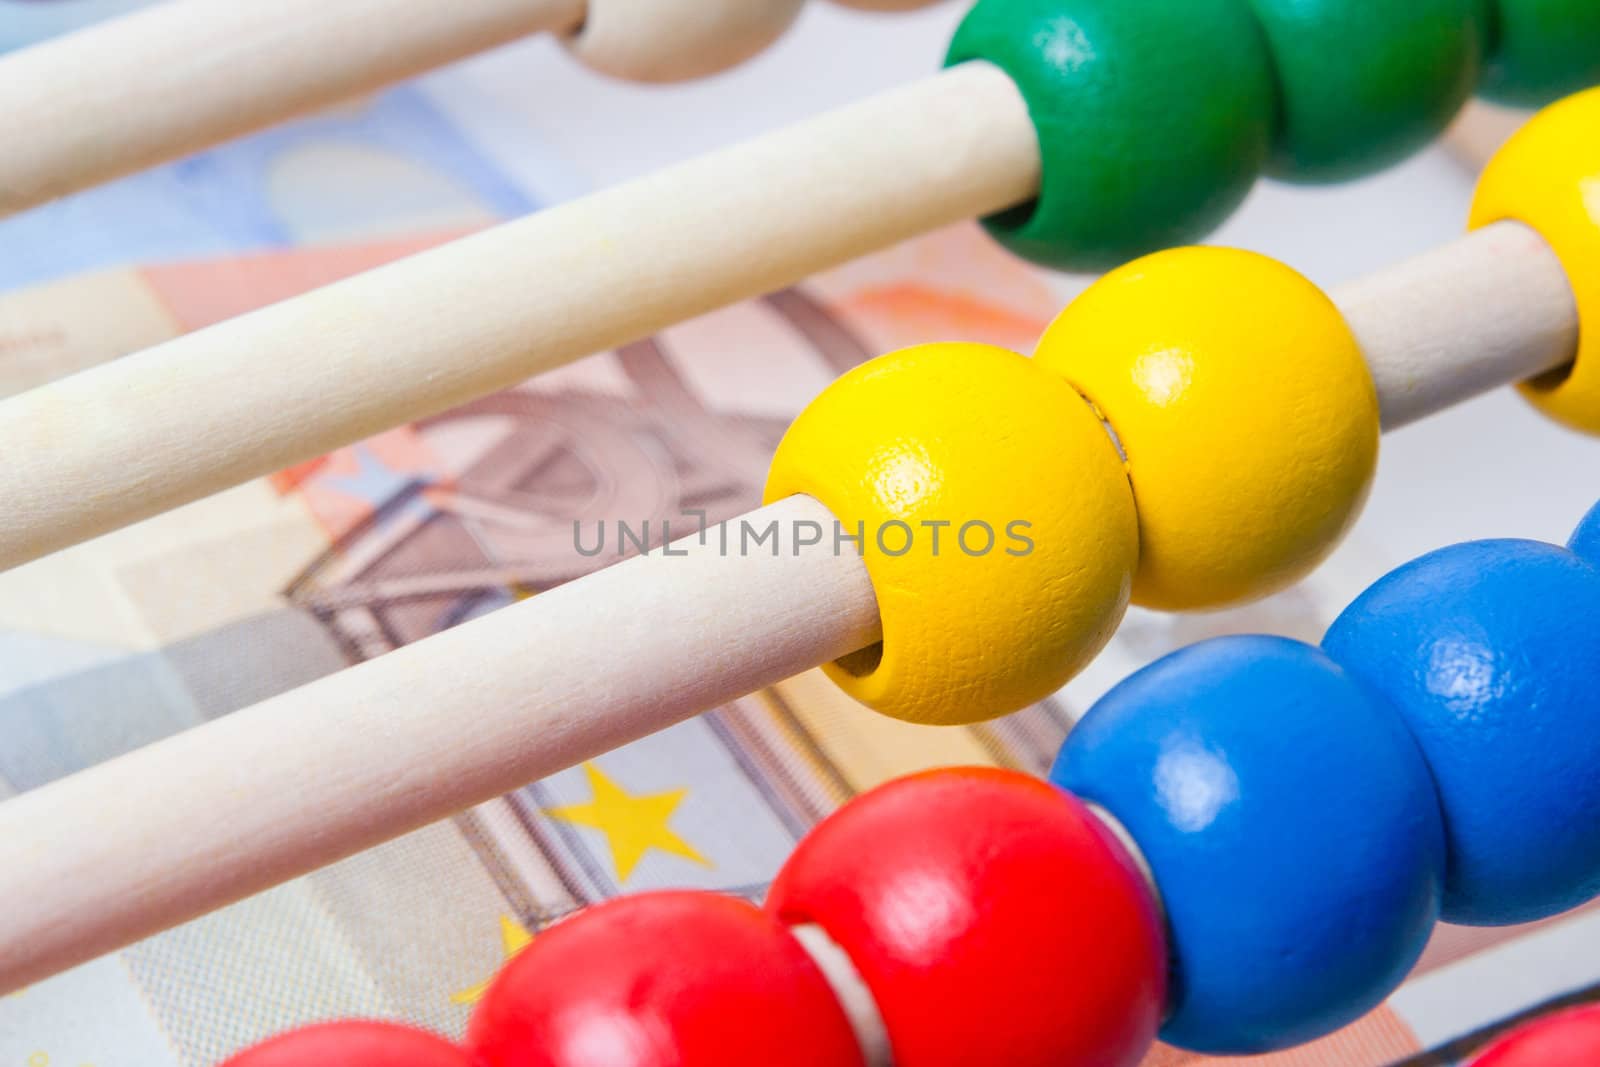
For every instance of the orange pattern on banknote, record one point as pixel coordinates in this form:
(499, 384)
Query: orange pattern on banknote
(918, 311)
(203, 293)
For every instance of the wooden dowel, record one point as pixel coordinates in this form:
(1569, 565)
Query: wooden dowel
(1480, 130)
(1491, 308)
(176, 422)
(103, 858)
(187, 74)
(117, 852)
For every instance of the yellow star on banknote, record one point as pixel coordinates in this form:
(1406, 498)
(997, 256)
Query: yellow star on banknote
(632, 824)
(514, 937)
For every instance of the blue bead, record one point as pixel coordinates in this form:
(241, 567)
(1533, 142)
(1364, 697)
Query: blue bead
(1586, 539)
(1491, 652)
(1291, 826)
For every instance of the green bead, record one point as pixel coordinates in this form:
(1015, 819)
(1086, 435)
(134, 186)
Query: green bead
(1543, 50)
(1364, 83)
(1154, 118)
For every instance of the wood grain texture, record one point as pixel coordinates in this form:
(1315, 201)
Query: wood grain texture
(1484, 311)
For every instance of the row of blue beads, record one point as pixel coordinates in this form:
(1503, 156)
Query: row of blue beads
(1308, 814)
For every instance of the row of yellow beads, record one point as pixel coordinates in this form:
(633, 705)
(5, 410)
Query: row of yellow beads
(1249, 441)
(1197, 429)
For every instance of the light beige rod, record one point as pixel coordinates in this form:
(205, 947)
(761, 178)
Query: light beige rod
(136, 437)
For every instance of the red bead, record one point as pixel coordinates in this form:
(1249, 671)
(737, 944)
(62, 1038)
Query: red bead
(1570, 1039)
(353, 1044)
(993, 917)
(663, 980)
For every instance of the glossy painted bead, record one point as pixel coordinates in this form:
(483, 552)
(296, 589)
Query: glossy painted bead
(1244, 408)
(1154, 119)
(1363, 85)
(666, 979)
(992, 916)
(1586, 538)
(1543, 50)
(1545, 176)
(995, 520)
(1570, 1039)
(1290, 823)
(1490, 652)
(353, 1044)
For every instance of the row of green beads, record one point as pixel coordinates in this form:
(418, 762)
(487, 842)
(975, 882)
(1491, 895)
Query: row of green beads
(1155, 116)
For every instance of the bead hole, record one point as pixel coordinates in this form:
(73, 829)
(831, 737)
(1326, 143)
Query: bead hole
(1013, 219)
(1551, 380)
(863, 662)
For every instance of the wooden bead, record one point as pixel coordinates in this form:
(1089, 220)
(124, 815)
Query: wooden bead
(994, 517)
(676, 40)
(354, 1044)
(1490, 653)
(993, 917)
(1545, 177)
(1569, 1039)
(1153, 119)
(1363, 85)
(1247, 416)
(1542, 50)
(1290, 823)
(663, 979)
(885, 5)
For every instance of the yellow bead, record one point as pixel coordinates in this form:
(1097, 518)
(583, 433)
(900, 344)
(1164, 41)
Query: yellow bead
(942, 443)
(1245, 411)
(1548, 177)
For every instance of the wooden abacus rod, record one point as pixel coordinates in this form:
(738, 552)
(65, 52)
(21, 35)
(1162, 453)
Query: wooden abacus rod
(1491, 308)
(153, 430)
(162, 83)
(102, 858)
(1481, 129)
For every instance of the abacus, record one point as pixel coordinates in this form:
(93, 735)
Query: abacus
(1123, 462)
